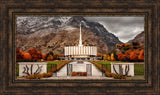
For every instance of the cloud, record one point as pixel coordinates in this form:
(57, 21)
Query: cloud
(125, 28)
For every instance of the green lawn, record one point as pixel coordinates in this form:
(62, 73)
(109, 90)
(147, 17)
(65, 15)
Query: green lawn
(17, 69)
(55, 62)
(140, 77)
(108, 62)
(139, 69)
(50, 65)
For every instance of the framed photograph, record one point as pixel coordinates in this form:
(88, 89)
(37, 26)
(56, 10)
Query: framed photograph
(83, 47)
(102, 47)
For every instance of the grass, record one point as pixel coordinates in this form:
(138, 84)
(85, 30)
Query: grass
(140, 77)
(17, 69)
(55, 62)
(52, 64)
(108, 62)
(139, 69)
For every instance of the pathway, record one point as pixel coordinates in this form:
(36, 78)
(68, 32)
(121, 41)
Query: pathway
(62, 73)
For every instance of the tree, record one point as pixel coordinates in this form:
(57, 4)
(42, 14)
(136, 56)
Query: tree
(118, 46)
(134, 55)
(43, 57)
(127, 53)
(108, 57)
(136, 45)
(122, 57)
(112, 57)
(104, 57)
(141, 55)
(50, 57)
(35, 54)
(19, 55)
(27, 56)
(127, 46)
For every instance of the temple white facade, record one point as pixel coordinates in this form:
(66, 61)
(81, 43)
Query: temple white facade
(80, 51)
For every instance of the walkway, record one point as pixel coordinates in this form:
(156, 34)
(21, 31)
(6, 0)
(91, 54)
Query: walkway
(81, 67)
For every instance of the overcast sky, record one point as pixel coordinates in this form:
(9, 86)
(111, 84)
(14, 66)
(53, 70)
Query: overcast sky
(125, 28)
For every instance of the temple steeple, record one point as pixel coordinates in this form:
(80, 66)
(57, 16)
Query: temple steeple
(80, 37)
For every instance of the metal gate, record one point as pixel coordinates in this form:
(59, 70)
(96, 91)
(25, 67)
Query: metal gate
(69, 69)
(89, 69)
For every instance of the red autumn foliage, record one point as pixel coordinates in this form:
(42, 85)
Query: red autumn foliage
(127, 53)
(43, 57)
(27, 56)
(121, 56)
(19, 54)
(141, 55)
(35, 54)
(134, 55)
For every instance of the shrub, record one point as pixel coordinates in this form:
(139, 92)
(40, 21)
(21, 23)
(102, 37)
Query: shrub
(108, 74)
(84, 73)
(38, 76)
(73, 73)
(49, 74)
(45, 75)
(116, 76)
(32, 76)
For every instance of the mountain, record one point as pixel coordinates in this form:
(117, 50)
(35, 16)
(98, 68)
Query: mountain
(139, 38)
(53, 33)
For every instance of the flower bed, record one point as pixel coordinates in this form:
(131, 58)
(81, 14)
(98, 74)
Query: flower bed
(59, 66)
(115, 76)
(78, 73)
(99, 66)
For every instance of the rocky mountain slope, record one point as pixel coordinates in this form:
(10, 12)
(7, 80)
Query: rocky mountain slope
(139, 38)
(53, 33)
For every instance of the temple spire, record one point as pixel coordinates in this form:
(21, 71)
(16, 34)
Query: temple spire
(80, 37)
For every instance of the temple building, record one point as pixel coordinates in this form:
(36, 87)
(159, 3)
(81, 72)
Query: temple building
(80, 52)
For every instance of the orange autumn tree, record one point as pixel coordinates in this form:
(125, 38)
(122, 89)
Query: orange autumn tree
(27, 56)
(134, 55)
(50, 57)
(43, 57)
(127, 53)
(141, 55)
(35, 54)
(122, 57)
(112, 57)
(19, 55)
